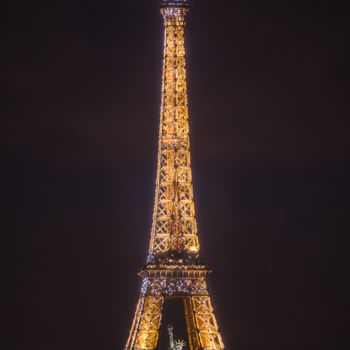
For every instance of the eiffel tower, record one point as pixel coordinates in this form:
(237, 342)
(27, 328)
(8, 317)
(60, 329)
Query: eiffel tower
(174, 268)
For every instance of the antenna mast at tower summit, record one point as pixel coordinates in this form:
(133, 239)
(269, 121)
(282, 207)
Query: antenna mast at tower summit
(174, 267)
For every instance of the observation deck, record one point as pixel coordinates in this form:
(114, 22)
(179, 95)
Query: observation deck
(174, 3)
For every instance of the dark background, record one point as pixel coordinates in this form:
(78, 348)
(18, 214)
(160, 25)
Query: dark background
(269, 115)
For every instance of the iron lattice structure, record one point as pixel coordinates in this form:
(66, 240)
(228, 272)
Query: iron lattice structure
(174, 267)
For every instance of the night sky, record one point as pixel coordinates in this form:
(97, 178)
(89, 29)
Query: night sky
(268, 85)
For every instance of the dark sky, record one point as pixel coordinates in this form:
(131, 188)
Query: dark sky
(269, 115)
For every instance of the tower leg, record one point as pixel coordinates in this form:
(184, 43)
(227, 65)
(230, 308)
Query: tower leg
(201, 324)
(192, 330)
(144, 330)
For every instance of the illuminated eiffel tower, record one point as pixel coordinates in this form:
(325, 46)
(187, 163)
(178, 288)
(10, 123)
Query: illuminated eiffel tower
(174, 268)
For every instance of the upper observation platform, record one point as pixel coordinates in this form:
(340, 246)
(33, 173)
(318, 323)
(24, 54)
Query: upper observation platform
(175, 3)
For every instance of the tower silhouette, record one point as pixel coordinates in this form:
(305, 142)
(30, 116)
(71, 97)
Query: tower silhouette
(174, 268)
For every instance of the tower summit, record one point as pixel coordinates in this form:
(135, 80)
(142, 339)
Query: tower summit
(174, 267)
